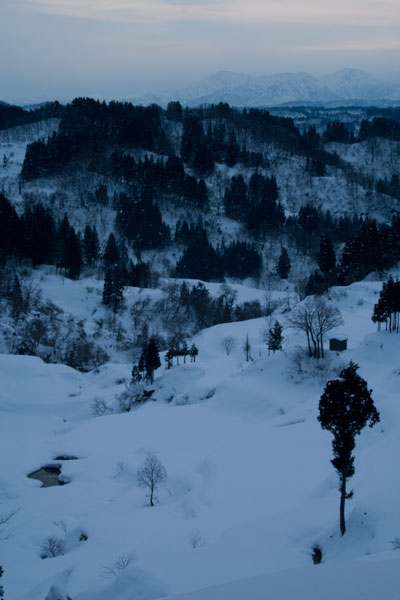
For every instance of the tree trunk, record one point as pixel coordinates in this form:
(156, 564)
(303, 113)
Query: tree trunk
(342, 501)
(308, 343)
(151, 495)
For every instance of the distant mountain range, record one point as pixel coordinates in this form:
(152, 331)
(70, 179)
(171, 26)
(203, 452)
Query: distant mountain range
(347, 86)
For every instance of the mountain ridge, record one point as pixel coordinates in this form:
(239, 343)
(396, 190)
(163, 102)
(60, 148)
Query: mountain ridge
(241, 89)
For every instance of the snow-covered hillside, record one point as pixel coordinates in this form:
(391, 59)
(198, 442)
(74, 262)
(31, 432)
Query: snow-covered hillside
(250, 488)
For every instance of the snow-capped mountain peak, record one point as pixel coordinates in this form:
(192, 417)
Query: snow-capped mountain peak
(241, 89)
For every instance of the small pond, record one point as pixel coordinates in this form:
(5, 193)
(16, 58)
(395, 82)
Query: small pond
(48, 475)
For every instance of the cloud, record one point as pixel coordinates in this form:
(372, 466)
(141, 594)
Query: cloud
(384, 43)
(345, 12)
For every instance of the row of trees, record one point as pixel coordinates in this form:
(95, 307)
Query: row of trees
(200, 260)
(161, 180)
(183, 350)
(387, 309)
(372, 247)
(149, 360)
(255, 204)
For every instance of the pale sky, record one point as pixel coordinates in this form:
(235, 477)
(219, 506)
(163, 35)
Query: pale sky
(124, 48)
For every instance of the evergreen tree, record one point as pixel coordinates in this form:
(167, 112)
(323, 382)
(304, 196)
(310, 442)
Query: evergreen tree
(111, 254)
(232, 150)
(317, 284)
(9, 229)
(174, 111)
(90, 245)
(69, 254)
(326, 257)
(387, 309)
(74, 255)
(113, 295)
(345, 408)
(193, 352)
(17, 302)
(151, 359)
(38, 233)
(284, 265)
(275, 337)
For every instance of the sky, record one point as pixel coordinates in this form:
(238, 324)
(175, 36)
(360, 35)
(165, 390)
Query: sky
(125, 48)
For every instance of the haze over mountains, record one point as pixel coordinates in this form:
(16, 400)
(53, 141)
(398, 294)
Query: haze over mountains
(347, 86)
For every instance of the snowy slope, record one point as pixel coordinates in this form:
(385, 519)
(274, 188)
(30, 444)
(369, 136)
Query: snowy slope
(250, 486)
(353, 84)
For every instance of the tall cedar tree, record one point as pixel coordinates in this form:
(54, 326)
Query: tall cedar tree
(9, 228)
(275, 337)
(17, 301)
(326, 257)
(111, 254)
(345, 408)
(113, 288)
(387, 309)
(152, 359)
(90, 245)
(283, 264)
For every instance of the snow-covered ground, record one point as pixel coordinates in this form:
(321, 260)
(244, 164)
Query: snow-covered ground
(250, 488)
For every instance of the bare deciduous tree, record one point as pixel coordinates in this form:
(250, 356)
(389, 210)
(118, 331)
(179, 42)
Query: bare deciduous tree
(151, 474)
(228, 344)
(315, 318)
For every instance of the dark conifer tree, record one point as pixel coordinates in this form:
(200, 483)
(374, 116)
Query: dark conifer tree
(74, 255)
(90, 245)
(326, 257)
(345, 408)
(202, 194)
(317, 284)
(17, 301)
(113, 288)
(69, 255)
(152, 359)
(111, 254)
(38, 232)
(275, 337)
(9, 229)
(193, 352)
(232, 150)
(284, 264)
(174, 111)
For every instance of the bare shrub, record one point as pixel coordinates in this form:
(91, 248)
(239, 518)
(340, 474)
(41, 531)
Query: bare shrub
(305, 366)
(98, 407)
(61, 525)
(120, 468)
(123, 561)
(4, 518)
(52, 547)
(195, 539)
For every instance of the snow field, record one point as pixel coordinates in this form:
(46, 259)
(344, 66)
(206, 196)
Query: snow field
(250, 487)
